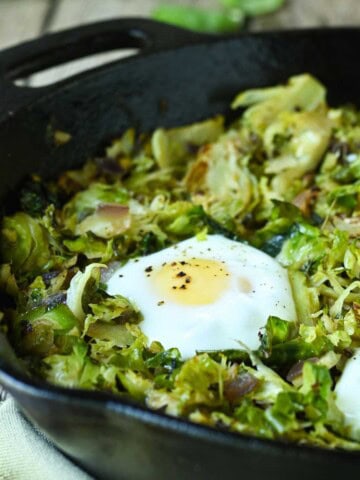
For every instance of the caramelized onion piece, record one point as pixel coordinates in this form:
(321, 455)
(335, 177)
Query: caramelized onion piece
(296, 370)
(239, 386)
(305, 200)
(356, 310)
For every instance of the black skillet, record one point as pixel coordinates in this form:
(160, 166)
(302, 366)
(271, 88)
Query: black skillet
(177, 78)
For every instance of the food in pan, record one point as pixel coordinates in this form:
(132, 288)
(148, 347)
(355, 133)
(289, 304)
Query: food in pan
(209, 271)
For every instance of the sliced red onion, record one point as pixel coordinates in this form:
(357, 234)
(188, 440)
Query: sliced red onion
(108, 220)
(240, 386)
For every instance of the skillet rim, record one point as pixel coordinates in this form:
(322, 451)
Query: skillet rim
(151, 38)
(110, 403)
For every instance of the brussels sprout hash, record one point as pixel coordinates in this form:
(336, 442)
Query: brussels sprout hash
(285, 178)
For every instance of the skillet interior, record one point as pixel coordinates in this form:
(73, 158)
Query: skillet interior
(171, 87)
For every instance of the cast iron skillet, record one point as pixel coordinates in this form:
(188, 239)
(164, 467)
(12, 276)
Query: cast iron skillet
(179, 77)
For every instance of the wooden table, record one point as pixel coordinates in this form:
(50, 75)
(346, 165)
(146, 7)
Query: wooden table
(24, 19)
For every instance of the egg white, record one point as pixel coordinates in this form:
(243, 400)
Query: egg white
(255, 287)
(347, 392)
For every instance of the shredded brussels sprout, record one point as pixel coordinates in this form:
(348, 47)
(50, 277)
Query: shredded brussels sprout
(285, 178)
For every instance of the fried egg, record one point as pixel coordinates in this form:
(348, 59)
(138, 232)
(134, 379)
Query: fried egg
(212, 294)
(347, 392)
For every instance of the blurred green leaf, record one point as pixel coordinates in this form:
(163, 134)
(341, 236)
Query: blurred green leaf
(254, 8)
(200, 20)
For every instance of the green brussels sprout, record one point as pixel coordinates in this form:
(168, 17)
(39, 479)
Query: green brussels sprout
(24, 244)
(36, 331)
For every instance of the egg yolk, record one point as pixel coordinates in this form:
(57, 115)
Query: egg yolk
(192, 282)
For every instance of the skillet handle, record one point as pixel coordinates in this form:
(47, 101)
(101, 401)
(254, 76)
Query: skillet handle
(58, 48)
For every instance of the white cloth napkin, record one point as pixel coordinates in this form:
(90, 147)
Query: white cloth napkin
(26, 454)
